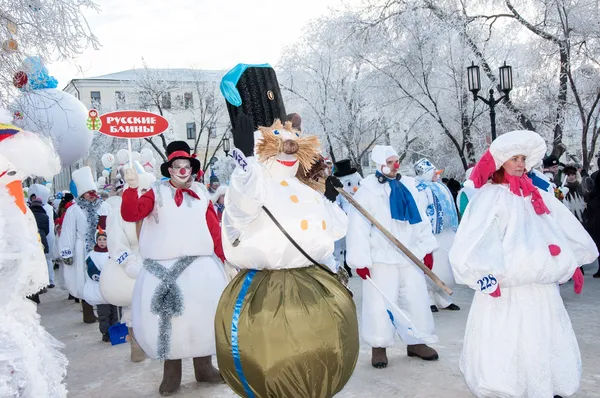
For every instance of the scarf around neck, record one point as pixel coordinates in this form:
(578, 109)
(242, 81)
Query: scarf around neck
(91, 216)
(402, 204)
(523, 186)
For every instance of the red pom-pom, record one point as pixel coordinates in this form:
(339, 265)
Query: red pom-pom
(554, 250)
(20, 79)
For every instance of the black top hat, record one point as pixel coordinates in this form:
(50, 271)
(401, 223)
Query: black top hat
(179, 150)
(343, 168)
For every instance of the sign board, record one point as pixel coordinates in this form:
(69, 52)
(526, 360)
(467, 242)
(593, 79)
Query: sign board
(132, 124)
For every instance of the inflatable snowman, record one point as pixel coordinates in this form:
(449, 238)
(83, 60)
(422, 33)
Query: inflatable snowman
(45, 110)
(351, 179)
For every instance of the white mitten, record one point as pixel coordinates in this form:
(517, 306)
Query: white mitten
(132, 178)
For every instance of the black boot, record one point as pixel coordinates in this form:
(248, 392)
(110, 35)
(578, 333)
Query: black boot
(88, 313)
(171, 377)
(205, 372)
(379, 358)
(434, 308)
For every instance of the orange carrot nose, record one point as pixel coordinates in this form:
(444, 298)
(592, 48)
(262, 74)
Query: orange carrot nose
(355, 189)
(15, 188)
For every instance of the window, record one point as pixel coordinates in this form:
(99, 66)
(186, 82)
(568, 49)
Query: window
(191, 130)
(96, 100)
(120, 99)
(188, 100)
(210, 103)
(166, 100)
(212, 130)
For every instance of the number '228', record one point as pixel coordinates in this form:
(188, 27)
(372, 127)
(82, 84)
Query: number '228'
(486, 282)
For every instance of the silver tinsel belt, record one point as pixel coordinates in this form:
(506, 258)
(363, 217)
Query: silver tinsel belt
(167, 300)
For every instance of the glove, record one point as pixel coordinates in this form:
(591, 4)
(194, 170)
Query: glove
(428, 261)
(331, 183)
(68, 261)
(497, 293)
(363, 273)
(132, 178)
(578, 280)
(243, 134)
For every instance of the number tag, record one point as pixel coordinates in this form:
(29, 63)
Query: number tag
(121, 259)
(240, 159)
(66, 253)
(488, 284)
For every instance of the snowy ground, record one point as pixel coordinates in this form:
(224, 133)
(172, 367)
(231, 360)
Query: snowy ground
(100, 370)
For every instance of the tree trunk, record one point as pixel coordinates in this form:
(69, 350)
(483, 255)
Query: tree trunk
(558, 147)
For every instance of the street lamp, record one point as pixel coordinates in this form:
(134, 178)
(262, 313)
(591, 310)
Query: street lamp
(226, 145)
(506, 84)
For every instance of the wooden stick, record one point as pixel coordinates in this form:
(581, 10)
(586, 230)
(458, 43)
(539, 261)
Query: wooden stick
(396, 242)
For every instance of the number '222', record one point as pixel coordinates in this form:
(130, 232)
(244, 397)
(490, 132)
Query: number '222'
(487, 282)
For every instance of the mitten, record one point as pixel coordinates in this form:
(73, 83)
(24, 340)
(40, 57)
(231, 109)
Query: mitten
(363, 273)
(132, 178)
(331, 183)
(497, 292)
(243, 134)
(428, 261)
(578, 280)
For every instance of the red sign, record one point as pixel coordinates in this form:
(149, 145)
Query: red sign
(132, 124)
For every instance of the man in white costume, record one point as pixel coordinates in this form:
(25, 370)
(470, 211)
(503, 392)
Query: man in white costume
(30, 363)
(117, 279)
(78, 235)
(391, 199)
(43, 193)
(442, 216)
(177, 291)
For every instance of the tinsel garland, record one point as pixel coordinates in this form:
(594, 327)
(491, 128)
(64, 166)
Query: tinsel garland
(167, 300)
(91, 215)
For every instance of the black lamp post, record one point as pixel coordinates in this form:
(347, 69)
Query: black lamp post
(506, 84)
(226, 145)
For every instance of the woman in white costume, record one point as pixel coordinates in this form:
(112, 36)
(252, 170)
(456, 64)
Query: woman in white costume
(514, 246)
(30, 364)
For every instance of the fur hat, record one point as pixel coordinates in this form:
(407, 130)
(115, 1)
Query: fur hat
(179, 150)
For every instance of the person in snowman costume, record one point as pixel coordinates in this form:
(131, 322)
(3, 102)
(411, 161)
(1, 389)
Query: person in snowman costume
(30, 363)
(118, 277)
(392, 199)
(351, 179)
(78, 235)
(443, 217)
(515, 244)
(43, 192)
(177, 291)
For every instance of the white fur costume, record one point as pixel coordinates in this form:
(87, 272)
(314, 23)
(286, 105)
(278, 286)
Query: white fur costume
(392, 271)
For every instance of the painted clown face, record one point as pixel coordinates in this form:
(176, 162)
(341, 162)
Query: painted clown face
(351, 183)
(181, 172)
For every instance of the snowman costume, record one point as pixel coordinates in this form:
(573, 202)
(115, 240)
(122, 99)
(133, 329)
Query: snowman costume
(515, 244)
(443, 217)
(466, 193)
(351, 179)
(386, 265)
(30, 364)
(44, 193)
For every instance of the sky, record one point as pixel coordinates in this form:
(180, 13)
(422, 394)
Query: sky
(203, 34)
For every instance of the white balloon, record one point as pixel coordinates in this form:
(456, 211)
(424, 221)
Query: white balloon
(146, 155)
(123, 156)
(136, 156)
(108, 160)
(105, 173)
(101, 181)
(59, 115)
(49, 186)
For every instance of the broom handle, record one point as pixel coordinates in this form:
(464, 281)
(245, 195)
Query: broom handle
(396, 242)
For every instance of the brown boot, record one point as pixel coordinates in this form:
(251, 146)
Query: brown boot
(205, 371)
(137, 354)
(88, 313)
(171, 377)
(422, 351)
(379, 358)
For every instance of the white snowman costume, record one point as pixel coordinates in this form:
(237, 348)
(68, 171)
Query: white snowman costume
(514, 237)
(443, 217)
(390, 269)
(178, 244)
(94, 264)
(117, 280)
(30, 363)
(77, 237)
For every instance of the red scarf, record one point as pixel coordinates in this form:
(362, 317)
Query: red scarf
(100, 250)
(522, 186)
(179, 194)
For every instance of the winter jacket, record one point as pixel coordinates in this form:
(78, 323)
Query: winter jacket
(575, 199)
(43, 223)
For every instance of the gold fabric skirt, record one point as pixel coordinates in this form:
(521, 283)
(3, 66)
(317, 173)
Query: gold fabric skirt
(286, 334)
